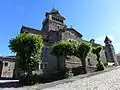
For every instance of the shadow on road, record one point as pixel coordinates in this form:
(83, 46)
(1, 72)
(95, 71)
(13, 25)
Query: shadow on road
(10, 84)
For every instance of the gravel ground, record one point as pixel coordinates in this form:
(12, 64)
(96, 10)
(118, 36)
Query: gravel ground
(105, 81)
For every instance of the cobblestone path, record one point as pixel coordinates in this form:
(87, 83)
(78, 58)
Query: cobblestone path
(105, 81)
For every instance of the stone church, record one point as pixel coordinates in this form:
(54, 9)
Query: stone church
(54, 29)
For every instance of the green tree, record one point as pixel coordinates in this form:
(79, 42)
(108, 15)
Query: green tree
(28, 48)
(96, 51)
(62, 49)
(82, 51)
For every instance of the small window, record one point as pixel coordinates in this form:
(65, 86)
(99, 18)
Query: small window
(6, 64)
(61, 21)
(89, 63)
(55, 19)
(45, 65)
(9, 69)
(58, 27)
(0, 62)
(41, 66)
(52, 18)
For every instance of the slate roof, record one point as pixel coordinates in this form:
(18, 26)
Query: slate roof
(32, 30)
(8, 58)
(107, 39)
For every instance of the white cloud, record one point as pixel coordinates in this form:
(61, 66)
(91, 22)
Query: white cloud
(101, 39)
(117, 47)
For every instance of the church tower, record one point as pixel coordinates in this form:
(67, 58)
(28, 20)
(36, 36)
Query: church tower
(109, 51)
(53, 21)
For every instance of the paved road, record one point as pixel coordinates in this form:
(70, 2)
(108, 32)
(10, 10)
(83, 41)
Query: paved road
(104, 81)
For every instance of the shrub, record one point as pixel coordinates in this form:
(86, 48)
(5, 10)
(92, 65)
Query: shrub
(29, 79)
(100, 67)
(67, 73)
(105, 64)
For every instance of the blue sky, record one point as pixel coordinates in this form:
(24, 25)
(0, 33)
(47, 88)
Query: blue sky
(92, 18)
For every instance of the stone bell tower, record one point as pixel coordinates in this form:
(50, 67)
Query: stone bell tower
(109, 51)
(53, 21)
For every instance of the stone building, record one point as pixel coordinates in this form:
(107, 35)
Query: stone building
(110, 51)
(7, 66)
(54, 30)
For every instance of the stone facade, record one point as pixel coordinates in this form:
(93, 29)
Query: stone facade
(118, 58)
(109, 51)
(7, 66)
(54, 30)
(53, 21)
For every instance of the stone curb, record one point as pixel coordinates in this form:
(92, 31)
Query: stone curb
(47, 85)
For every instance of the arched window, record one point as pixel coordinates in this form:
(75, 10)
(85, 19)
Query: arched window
(6, 64)
(52, 18)
(62, 21)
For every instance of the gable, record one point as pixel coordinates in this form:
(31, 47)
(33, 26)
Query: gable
(32, 31)
(75, 32)
(71, 35)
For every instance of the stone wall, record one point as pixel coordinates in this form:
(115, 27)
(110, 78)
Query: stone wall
(70, 36)
(118, 58)
(92, 59)
(49, 62)
(72, 61)
(8, 67)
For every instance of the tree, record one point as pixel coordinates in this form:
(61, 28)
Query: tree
(62, 48)
(97, 52)
(82, 51)
(28, 49)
